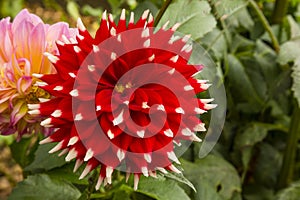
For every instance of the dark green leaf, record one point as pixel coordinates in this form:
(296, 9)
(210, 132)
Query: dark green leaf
(256, 191)
(66, 173)
(242, 86)
(41, 186)
(21, 151)
(45, 161)
(268, 160)
(123, 193)
(253, 134)
(266, 58)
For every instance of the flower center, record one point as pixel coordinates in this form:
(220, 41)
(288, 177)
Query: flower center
(36, 93)
(120, 87)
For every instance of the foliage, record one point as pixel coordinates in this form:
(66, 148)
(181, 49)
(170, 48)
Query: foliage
(261, 85)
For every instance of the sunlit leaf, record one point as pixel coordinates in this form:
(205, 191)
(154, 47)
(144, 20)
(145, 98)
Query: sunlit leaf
(194, 16)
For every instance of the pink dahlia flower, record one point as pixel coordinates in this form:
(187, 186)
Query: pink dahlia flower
(123, 98)
(23, 43)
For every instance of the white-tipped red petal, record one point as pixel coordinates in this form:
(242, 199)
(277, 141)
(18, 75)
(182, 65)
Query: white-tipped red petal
(172, 156)
(80, 25)
(71, 155)
(46, 140)
(85, 172)
(89, 154)
(57, 147)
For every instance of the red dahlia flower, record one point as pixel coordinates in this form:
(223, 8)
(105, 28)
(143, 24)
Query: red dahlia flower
(123, 98)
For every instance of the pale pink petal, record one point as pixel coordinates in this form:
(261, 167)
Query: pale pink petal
(26, 66)
(37, 47)
(5, 40)
(24, 15)
(20, 40)
(23, 84)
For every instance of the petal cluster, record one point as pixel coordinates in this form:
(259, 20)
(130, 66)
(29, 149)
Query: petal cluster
(123, 98)
(22, 44)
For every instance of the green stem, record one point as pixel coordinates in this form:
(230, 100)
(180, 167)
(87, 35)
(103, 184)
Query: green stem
(162, 11)
(279, 11)
(266, 24)
(93, 181)
(287, 168)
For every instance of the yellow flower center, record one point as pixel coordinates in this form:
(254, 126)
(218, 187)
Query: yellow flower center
(36, 93)
(120, 88)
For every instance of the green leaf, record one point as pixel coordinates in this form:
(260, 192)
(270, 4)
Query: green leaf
(242, 87)
(41, 186)
(161, 189)
(66, 173)
(195, 17)
(180, 178)
(206, 191)
(123, 193)
(215, 40)
(289, 52)
(228, 7)
(268, 160)
(252, 135)
(45, 161)
(290, 193)
(296, 80)
(235, 12)
(22, 151)
(294, 27)
(266, 58)
(219, 175)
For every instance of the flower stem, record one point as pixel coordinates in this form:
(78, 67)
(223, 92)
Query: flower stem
(288, 163)
(92, 183)
(279, 11)
(266, 24)
(162, 11)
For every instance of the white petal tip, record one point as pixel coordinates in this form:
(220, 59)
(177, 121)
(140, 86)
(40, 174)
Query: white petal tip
(89, 154)
(46, 140)
(37, 75)
(80, 25)
(34, 112)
